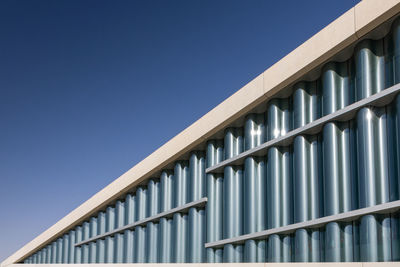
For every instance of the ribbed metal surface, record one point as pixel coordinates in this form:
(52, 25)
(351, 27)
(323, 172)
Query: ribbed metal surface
(153, 208)
(341, 165)
(254, 186)
(279, 182)
(233, 195)
(180, 220)
(214, 206)
(166, 203)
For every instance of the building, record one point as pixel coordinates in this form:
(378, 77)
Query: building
(300, 165)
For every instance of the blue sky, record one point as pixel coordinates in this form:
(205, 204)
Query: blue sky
(90, 88)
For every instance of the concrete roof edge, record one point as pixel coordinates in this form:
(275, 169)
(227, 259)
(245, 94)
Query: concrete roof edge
(333, 38)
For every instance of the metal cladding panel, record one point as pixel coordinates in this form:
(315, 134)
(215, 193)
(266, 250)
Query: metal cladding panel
(85, 248)
(71, 250)
(153, 208)
(93, 245)
(196, 218)
(59, 250)
(307, 172)
(140, 231)
(165, 231)
(254, 186)
(109, 240)
(276, 173)
(65, 250)
(119, 238)
(233, 195)
(214, 194)
(180, 220)
(78, 250)
(279, 182)
(101, 229)
(130, 202)
(339, 170)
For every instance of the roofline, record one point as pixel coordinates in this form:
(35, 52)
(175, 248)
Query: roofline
(341, 33)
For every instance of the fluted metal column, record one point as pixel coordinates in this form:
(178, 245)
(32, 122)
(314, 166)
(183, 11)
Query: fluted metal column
(109, 242)
(180, 220)
(165, 232)
(279, 182)
(93, 245)
(38, 257)
(85, 247)
(129, 235)
(197, 224)
(54, 252)
(78, 250)
(48, 249)
(233, 195)
(119, 238)
(41, 256)
(59, 250)
(71, 250)
(254, 189)
(307, 173)
(339, 162)
(153, 208)
(394, 135)
(65, 253)
(140, 231)
(372, 152)
(214, 204)
(101, 229)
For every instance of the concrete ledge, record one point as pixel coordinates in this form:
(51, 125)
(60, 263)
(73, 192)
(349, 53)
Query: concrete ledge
(344, 31)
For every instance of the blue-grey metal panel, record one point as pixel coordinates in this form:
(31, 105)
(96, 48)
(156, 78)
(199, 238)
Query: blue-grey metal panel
(279, 181)
(129, 234)
(59, 250)
(85, 247)
(233, 195)
(214, 205)
(153, 208)
(166, 203)
(65, 253)
(339, 168)
(140, 231)
(180, 220)
(93, 245)
(53, 252)
(196, 218)
(101, 229)
(372, 151)
(307, 172)
(119, 238)
(78, 250)
(327, 169)
(109, 240)
(48, 254)
(71, 250)
(254, 187)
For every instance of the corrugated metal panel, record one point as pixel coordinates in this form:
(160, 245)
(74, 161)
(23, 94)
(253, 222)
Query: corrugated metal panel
(233, 195)
(214, 194)
(343, 166)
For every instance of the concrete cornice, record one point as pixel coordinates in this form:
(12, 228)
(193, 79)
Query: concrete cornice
(339, 34)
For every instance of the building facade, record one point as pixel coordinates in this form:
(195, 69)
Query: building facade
(300, 165)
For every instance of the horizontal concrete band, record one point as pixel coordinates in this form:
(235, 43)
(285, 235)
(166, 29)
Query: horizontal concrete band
(166, 214)
(291, 264)
(380, 99)
(316, 223)
(340, 34)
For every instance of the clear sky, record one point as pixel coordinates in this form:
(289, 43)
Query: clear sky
(90, 88)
